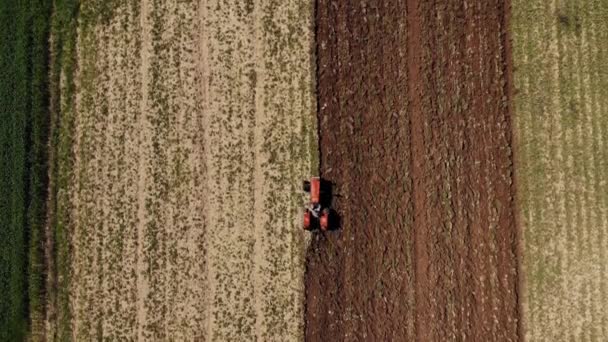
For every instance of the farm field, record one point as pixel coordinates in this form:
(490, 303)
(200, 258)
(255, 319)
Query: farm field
(560, 55)
(415, 132)
(152, 154)
(181, 124)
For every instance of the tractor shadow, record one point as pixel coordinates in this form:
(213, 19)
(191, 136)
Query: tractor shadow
(327, 200)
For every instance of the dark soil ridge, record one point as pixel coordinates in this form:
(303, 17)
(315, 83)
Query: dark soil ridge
(415, 132)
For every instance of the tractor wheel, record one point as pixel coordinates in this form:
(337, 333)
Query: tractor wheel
(324, 220)
(306, 220)
(306, 186)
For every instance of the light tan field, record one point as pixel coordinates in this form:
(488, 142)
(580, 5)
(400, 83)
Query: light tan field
(561, 115)
(194, 128)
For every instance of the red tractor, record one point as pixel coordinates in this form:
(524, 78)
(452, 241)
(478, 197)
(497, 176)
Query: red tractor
(314, 214)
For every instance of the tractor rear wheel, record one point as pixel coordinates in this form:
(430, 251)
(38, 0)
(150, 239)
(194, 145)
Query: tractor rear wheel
(324, 220)
(306, 220)
(306, 186)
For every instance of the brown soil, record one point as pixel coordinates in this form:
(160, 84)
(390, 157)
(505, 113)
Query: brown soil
(415, 133)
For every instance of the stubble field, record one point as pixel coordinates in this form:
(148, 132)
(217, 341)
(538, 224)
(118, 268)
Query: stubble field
(560, 58)
(193, 124)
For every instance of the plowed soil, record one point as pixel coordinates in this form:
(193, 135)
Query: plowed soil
(415, 132)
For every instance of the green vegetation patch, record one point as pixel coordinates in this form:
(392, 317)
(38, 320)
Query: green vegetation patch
(560, 56)
(62, 86)
(23, 161)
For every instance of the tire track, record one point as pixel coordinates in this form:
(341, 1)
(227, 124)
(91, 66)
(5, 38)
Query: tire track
(144, 143)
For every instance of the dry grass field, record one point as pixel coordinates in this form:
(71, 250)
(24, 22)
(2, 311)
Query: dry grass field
(560, 56)
(193, 127)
